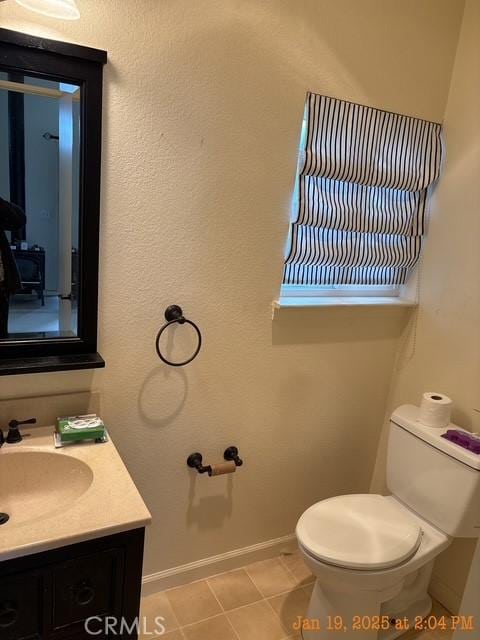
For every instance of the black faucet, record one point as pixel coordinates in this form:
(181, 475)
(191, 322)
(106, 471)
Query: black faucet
(2, 438)
(14, 434)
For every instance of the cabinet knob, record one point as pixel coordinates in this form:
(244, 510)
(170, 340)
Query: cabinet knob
(8, 614)
(84, 594)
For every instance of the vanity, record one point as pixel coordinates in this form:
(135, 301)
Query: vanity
(72, 547)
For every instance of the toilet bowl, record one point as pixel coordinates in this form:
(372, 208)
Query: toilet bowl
(373, 555)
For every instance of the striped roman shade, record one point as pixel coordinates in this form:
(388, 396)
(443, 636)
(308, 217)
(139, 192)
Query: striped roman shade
(362, 190)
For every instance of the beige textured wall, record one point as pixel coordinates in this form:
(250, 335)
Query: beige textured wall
(203, 105)
(447, 353)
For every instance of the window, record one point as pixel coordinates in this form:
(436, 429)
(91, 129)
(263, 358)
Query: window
(358, 218)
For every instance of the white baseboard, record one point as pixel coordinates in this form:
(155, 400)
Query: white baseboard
(449, 598)
(206, 567)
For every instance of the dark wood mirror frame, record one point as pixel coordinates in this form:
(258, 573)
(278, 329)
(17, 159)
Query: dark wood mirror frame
(83, 66)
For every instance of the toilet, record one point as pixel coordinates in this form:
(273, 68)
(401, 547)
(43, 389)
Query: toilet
(373, 555)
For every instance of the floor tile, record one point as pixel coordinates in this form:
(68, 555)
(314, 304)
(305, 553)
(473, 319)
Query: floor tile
(270, 577)
(218, 628)
(442, 634)
(173, 635)
(432, 634)
(193, 602)
(438, 611)
(297, 567)
(234, 589)
(257, 621)
(290, 607)
(195, 607)
(157, 605)
(416, 635)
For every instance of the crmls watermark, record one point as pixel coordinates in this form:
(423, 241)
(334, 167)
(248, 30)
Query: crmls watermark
(113, 626)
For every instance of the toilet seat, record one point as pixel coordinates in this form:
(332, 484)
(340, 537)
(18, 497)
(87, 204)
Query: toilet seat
(361, 531)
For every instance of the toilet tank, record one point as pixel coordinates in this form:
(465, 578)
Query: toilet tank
(436, 478)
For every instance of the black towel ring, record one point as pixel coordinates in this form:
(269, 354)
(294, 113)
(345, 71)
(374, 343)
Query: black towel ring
(173, 314)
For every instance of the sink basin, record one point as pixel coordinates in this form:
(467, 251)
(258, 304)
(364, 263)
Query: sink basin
(37, 484)
(56, 497)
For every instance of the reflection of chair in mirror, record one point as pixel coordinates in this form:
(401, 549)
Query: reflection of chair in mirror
(31, 266)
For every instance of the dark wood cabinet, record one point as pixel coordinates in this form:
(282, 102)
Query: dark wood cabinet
(21, 598)
(86, 587)
(51, 595)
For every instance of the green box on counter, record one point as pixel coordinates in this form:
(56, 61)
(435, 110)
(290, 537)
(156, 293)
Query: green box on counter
(76, 428)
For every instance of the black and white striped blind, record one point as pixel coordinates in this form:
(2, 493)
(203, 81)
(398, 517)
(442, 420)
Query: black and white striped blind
(361, 195)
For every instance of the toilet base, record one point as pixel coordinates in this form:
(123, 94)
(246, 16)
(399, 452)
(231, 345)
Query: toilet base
(362, 614)
(411, 605)
(334, 614)
(409, 617)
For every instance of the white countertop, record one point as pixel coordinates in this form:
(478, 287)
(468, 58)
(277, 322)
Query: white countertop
(107, 501)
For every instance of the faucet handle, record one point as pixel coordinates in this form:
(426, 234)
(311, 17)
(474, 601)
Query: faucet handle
(14, 424)
(14, 434)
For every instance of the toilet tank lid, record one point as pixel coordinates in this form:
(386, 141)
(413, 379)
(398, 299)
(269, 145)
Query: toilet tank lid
(407, 416)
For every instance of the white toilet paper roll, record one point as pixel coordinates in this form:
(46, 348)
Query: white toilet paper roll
(435, 409)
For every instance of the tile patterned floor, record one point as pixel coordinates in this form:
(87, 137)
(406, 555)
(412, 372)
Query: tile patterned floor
(258, 602)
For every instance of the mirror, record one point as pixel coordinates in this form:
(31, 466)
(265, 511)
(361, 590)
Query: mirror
(50, 161)
(39, 207)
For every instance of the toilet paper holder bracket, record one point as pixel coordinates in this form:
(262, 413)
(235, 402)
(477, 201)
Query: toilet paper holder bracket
(195, 460)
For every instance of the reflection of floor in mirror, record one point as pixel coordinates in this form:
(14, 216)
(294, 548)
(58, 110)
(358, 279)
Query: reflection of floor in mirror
(28, 316)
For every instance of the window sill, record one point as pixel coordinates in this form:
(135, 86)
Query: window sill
(294, 302)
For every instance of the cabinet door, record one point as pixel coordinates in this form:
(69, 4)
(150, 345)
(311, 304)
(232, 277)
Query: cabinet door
(21, 605)
(87, 587)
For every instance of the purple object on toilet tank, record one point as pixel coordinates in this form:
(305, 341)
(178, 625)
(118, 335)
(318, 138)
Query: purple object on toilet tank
(463, 439)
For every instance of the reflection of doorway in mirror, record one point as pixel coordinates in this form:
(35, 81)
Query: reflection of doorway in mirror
(46, 252)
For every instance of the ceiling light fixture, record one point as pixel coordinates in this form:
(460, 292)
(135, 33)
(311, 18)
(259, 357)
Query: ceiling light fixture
(63, 9)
